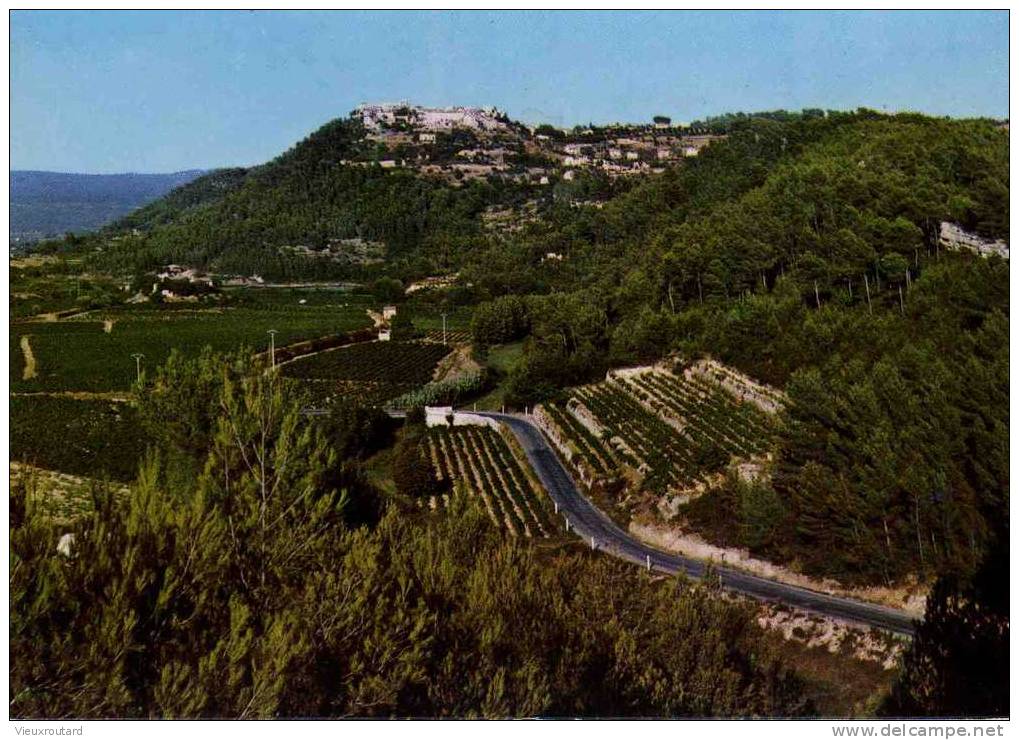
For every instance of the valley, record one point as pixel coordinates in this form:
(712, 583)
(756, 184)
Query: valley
(728, 379)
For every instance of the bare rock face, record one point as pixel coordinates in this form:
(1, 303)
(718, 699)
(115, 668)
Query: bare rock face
(953, 236)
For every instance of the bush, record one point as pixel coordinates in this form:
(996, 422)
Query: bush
(387, 290)
(412, 470)
(503, 320)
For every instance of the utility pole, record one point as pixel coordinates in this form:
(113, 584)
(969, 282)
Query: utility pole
(138, 365)
(272, 346)
(444, 328)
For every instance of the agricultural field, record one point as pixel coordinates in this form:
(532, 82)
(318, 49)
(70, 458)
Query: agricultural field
(670, 432)
(428, 317)
(81, 437)
(275, 297)
(46, 285)
(480, 459)
(451, 336)
(93, 352)
(369, 371)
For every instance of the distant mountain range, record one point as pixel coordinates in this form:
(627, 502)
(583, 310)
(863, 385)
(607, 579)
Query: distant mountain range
(50, 203)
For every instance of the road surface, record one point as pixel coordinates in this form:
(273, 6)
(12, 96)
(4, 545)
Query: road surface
(588, 522)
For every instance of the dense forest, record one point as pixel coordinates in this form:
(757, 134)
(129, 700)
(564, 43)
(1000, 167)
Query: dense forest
(237, 220)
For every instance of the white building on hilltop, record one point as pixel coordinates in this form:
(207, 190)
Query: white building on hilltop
(378, 116)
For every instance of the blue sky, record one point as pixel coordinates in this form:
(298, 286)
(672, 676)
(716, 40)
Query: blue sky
(162, 91)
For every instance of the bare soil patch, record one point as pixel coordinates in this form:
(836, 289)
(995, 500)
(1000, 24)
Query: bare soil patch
(29, 371)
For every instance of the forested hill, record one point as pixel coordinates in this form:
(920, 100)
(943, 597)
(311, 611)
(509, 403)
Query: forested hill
(45, 204)
(775, 193)
(314, 195)
(806, 254)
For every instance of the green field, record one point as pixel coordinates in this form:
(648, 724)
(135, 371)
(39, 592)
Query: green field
(82, 356)
(84, 437)
(500, 358)
(427, 316)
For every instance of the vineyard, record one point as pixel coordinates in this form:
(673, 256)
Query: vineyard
(81, 437)
(459, 336)
(672, 431)
(95, 354)
(481, 460)
(370, 371)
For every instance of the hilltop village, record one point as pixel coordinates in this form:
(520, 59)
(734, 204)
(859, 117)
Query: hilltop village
(464, 143)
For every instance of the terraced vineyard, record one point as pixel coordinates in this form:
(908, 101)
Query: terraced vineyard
(674, 431)
(370, 371)
(479, 458)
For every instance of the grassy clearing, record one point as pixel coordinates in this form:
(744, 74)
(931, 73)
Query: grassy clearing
(428, 317)
(500, 359)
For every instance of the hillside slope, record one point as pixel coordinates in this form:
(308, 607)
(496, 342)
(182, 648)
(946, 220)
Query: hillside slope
(50, 203)
(312, 196)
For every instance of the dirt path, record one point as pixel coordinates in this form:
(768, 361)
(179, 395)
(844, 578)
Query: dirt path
(115, 396)
(26, 349)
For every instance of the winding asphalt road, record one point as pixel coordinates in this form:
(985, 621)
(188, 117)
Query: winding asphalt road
(592, 525)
